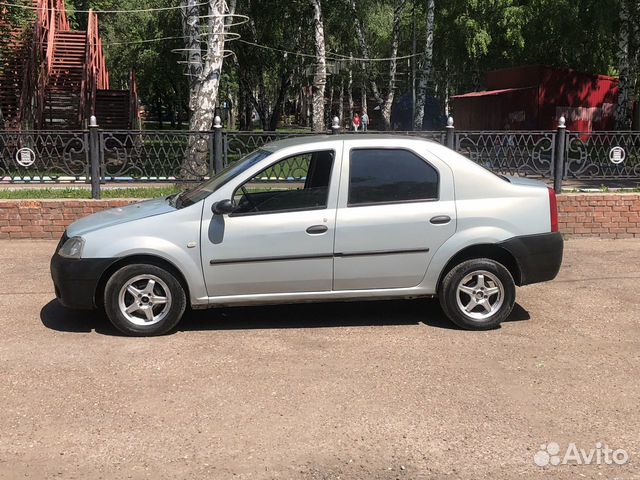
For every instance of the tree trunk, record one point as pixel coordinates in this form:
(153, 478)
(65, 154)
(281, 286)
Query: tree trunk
(191, 28)
(364, 48)
(413, 63)
(329, 111)
(159, 112)
(204, 86)
(341, 102)
(383, 105)
(305, 114)
(426, 68)
(350, 96)
(263, 104)
(241, 108)
(393, 64)
(302, 106)
(245, 107)
(364, 99)
(285, 80)
(320, 77)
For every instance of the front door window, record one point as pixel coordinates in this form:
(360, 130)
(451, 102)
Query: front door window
(296, 183)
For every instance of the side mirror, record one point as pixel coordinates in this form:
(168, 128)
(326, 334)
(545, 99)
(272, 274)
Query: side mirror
(223, 206)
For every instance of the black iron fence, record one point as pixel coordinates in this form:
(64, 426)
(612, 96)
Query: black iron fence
(43, 157)
(602, 155)
(183, 156)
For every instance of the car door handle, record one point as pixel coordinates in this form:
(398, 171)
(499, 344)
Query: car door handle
(440, 219)
(317, 229)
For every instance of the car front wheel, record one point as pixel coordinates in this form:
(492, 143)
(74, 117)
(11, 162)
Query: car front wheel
(478, 294)
(144, 300)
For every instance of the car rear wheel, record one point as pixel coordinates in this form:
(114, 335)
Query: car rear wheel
(478, 294)
(144, 300)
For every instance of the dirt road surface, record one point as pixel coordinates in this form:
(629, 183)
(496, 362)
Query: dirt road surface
(381, 390)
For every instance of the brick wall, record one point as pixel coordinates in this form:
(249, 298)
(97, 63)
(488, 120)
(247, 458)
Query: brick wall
(614, 215)
(611, 215)
(46, 219)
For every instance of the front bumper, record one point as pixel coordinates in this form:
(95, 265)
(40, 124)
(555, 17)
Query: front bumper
(539, 257)
(76, 280)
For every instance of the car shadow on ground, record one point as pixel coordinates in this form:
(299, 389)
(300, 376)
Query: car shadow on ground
(307, 315)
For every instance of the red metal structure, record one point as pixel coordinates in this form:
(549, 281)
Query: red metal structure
(535, 97)
(52, 77)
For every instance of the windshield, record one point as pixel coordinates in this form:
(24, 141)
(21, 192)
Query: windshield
(189, 197)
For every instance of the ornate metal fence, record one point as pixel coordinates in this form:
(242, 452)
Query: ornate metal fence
(238, 144)
(176, 156)
(435, 135)
(510, 153)
(44, 156)
(157, 156)
(603, 155)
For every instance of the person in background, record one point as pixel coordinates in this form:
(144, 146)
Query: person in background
(356, 122)
(365, 121)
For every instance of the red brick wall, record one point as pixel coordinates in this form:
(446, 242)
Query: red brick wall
(612, 215)
(46, 218)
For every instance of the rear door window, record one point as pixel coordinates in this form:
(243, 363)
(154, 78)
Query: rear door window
(378, 176)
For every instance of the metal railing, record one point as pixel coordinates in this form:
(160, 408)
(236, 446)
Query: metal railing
(44, 156)
(602, 155)
(185, 156)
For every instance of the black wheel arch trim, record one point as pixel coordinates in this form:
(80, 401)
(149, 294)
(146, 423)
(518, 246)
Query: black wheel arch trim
(120, 262)
(539, 256)
(529, 258)
(492, 251)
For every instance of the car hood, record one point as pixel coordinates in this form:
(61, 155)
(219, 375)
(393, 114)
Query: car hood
(115, 216)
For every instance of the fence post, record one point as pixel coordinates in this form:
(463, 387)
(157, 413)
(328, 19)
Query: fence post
(217, 144)
(335, 126)
(449, 137)
(94, 155)
(558, 170)
(211, 149)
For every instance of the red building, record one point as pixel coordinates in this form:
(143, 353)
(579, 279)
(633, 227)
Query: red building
(534, 97)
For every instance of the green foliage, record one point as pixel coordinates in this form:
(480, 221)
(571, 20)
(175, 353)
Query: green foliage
(471, 38)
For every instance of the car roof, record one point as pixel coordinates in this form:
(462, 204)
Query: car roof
(305, 139)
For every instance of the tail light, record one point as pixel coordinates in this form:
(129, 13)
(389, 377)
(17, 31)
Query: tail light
(553, 210)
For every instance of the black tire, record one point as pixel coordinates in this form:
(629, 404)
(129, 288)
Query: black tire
(164, 315)
(486, 310)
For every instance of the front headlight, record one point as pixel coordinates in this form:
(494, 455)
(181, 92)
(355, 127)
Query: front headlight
(72, 248)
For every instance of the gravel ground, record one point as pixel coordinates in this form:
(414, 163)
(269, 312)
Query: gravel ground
(381, 390)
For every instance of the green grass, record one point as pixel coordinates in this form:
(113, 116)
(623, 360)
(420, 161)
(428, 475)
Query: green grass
(52, 193)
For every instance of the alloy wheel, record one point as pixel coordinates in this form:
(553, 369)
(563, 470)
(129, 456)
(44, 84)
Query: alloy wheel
(480, 295)
(144, 300)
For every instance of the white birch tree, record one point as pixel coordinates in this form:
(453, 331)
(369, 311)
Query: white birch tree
(320, 74)
(350, 96)
(204, 68)
(384, 102)
(393, 64)
(426, 68)
(341, 100)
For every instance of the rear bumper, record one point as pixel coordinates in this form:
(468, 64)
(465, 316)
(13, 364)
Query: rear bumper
(76, 280)
(539, 257)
